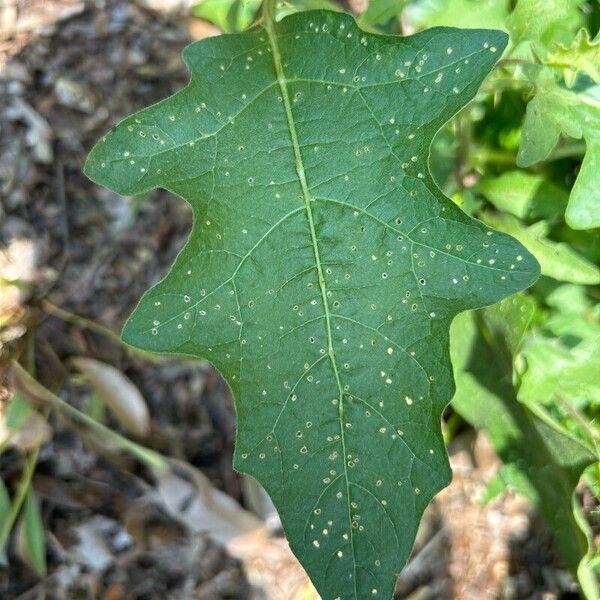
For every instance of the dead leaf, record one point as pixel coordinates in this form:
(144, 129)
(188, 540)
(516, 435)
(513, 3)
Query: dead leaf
(203, 507)
(119, 394)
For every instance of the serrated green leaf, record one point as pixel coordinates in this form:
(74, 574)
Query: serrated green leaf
(525, 195)
(555, 110)
(323, 268)
(541, 460)
(557, 260)
(582, 55)
(544, 21)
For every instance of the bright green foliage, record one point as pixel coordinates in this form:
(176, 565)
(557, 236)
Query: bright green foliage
(565, 362)
(556, 109)
(237, 15)
(323, 269)
(17, 412)
(582, 55)
(557, 260)
(556, 369)
(460, 13)
(228, 15)
(566, 105)
(525, 195)
(380, 12)
(543, 21)
(540, 459)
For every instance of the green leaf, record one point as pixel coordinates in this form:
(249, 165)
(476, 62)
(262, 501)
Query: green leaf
(541, 460)
(544, 21)
(228, 15)
(380, 12)
(288, 7)
(573, 314)
(555, 110)
(556, 259)
(525, 195)
(557, 370)
(460, 13)
(19, 408)
(34, 539)
(582, 55)
(323, 268)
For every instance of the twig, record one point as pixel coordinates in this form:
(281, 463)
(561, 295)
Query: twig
(86, 323)
(34, 390)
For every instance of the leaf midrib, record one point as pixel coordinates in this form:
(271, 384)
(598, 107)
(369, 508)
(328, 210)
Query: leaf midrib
(299, 164)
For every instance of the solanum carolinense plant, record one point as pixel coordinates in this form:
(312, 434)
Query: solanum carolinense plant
(325, 266)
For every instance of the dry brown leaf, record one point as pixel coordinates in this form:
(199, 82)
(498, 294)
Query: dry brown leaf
(202, 507)
(118, 393)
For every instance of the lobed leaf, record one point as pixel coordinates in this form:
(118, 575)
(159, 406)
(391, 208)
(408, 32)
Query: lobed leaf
(323, 269)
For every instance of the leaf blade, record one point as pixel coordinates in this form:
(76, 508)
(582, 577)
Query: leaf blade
(318, 350)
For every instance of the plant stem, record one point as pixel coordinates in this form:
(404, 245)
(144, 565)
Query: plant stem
(501, 157)
(21, 493)
(84, 323)
(268, 10)
(34, 390)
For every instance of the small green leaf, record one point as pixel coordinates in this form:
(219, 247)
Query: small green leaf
(33, 534)
(556, 259)
(525, 195)
(555, 369)
(228, 15)
(555, 110)
(573, 314)
(582, 55)
(323, 269)
(380, 12)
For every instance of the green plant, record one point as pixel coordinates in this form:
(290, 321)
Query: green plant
(325, 267)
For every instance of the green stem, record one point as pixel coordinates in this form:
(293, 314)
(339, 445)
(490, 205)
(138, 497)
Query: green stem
(31, 388)
(84, 323)
(19, 498)
(268, 10)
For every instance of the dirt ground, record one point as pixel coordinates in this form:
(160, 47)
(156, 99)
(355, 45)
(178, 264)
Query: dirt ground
(115, 527)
